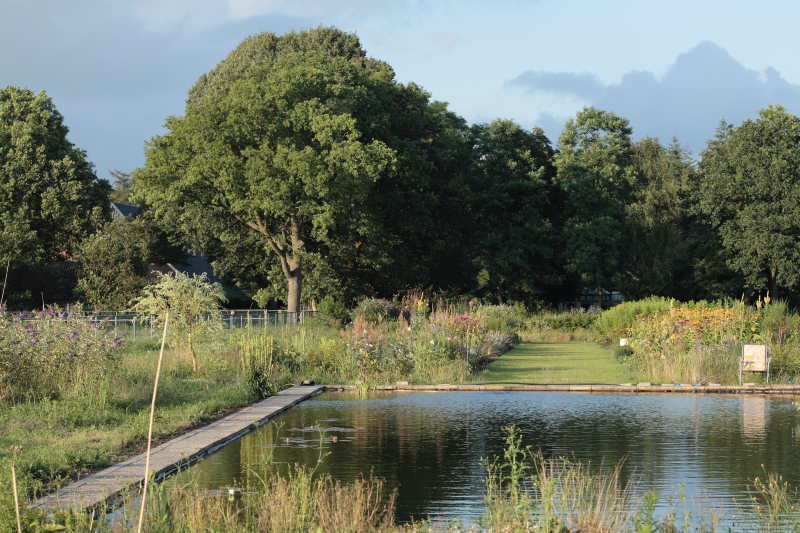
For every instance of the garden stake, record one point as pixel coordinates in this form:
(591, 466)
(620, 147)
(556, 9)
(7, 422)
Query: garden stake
(150, 427)
(16, 498)
(3, 294)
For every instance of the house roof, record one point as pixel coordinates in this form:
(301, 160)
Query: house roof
(199, 264)
(125, 210)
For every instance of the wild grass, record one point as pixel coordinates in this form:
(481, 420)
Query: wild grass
(527, 492)
(70, 431)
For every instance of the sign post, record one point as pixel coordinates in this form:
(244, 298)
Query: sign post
(755, 358)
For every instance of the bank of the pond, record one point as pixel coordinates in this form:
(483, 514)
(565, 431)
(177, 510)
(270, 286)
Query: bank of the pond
(556, 363)
(54, 441)
(99, 489)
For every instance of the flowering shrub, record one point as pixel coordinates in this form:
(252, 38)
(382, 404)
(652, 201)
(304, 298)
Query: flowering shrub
(615, 322)
(376, 310)
(53, 353)
(376, 351)
(439, 344)
(692, 342)
(688, 326)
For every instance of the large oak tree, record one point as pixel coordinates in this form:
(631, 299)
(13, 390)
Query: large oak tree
(278, 155)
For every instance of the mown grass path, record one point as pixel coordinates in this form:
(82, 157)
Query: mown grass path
(556, 362)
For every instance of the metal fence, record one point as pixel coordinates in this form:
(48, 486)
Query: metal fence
(136, 325)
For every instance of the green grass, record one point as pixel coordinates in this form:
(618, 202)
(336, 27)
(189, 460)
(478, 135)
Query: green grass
(53, 441)
(557, 362)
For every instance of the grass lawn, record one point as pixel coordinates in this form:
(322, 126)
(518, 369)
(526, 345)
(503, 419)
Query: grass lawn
(557, 362)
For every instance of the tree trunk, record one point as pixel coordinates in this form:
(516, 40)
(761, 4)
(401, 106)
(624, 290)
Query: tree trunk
(294, 291)
(773, 284)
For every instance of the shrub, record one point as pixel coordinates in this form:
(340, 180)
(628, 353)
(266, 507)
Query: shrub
(508, 318)
(376, 310)
(114, 264)
(615, 322)
(566, 321)
(54, 353)
(191, 302)
(331, 307)
(497, 342)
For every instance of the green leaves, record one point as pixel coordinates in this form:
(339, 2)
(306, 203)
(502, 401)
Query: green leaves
(595, 172)
(50, 198)
(276, 153)
(750, 192)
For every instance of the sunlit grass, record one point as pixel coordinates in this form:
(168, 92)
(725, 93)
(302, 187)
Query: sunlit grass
(545, 362)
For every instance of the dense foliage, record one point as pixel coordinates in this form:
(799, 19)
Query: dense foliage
(50, 198)
(313, 178)
(115, 264)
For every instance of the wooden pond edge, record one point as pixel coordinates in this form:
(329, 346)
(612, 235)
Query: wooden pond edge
(711, 388)
(101, 490)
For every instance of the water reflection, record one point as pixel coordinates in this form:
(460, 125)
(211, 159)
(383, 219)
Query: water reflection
(429, 445)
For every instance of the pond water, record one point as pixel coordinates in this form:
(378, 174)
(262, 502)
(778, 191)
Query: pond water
(429, 446)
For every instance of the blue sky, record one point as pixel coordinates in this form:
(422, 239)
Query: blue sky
(117, 69)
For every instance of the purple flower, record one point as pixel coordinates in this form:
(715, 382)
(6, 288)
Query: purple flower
(29, 330)
(72, 354)
(34, 341)
(72, 335)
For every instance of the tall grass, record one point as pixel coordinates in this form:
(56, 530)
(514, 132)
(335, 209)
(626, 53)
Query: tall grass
(527, 492)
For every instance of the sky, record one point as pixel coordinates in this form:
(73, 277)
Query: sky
(117, 69)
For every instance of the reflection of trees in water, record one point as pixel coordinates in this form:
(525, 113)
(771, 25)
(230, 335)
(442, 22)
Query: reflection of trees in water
(760, 432)
(429, 446)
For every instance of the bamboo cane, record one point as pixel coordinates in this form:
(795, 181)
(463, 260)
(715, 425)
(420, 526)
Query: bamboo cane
(150, 427)
(16, 497)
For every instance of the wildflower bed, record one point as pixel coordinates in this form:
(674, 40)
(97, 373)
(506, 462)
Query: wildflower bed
(75, 398)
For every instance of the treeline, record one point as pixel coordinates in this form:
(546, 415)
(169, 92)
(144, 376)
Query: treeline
(307, 172)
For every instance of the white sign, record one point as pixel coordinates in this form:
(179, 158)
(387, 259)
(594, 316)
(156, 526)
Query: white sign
(755, 358)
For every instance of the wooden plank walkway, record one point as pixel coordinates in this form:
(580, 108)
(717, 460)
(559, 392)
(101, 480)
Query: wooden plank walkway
(101, 489)
(711, 388)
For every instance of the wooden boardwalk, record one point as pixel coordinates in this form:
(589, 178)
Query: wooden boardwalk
(102, 489)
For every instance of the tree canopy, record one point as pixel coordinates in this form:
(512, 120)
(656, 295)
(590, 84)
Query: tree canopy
(595, 172)
(751, 193)
(279, 156)
(307, 173)
(512, 213)
(50, 197)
